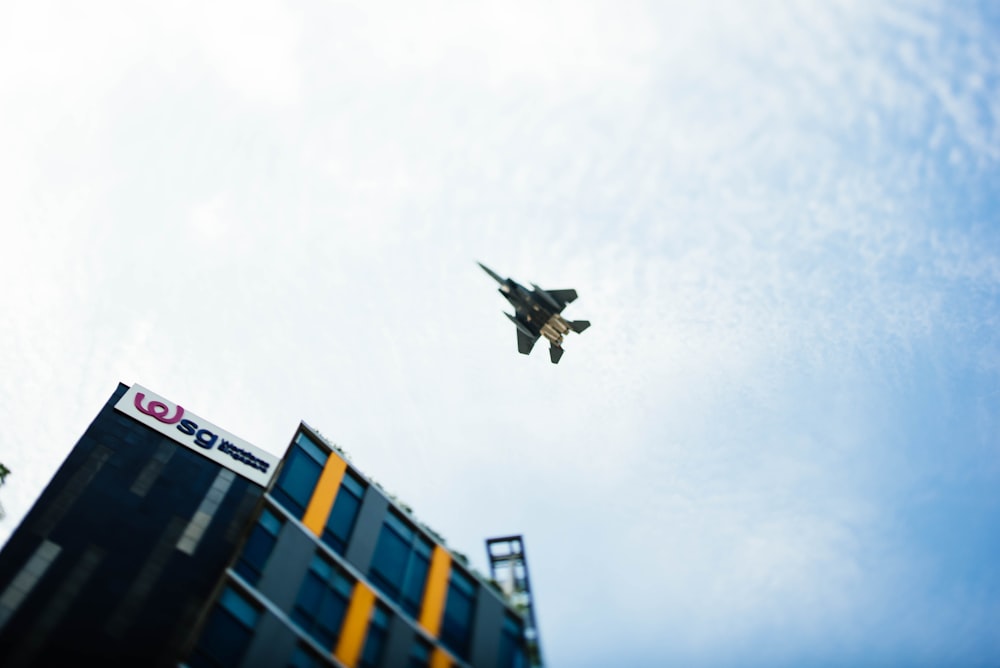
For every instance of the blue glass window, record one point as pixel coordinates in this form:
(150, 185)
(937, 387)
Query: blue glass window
(227, 632)
(512, 653)
(303, 657)
(345, 510)
(378, 629)
(299, 475)
(456, 626)
(399, 565)
(322, 602)
(258, 547)
(420, 654)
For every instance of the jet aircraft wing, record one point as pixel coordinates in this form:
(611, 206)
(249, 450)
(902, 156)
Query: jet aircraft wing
(524, 342)
(562, 296)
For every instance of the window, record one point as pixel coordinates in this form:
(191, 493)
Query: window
(195, 529)
(26, 579)
(303, 657)
(227, 632)
(512, 644)
(420, 654)
(322, 602)
(299, 475)
(456, 626)
(344, 512)
(399, 566)
(378, 628)
(258, 547)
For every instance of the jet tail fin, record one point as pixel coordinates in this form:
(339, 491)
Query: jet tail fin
(555, 353)
(579, 325)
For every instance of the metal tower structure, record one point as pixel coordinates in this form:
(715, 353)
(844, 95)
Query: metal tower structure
(509, 569)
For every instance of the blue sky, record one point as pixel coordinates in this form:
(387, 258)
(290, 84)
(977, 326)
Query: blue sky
(776, 445)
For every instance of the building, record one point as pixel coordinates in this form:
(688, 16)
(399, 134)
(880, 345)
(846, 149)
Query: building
(164, 540)
(115, 560)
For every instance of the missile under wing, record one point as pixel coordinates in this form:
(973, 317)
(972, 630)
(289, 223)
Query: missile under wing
(537, 313)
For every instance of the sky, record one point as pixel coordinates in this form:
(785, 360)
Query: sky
(779, 442)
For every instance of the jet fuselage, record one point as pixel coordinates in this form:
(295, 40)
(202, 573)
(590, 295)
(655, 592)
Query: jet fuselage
(537, 313)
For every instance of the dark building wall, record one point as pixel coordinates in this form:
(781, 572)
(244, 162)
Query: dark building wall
(117, 556)
(273, 643)
(487, 621)
(367, 529)
(286, 566)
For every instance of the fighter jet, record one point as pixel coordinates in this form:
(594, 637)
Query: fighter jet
(536, 314)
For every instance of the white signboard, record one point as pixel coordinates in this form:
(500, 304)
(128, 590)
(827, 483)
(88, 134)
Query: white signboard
(183, 426)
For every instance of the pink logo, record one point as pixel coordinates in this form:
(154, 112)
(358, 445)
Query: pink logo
(158, 410)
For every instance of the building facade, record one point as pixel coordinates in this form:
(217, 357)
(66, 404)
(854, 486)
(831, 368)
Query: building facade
(117, 557)
(163, 540)
(334, 572)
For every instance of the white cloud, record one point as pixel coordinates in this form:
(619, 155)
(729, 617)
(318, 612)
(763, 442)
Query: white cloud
(253, 46)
